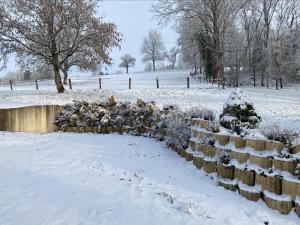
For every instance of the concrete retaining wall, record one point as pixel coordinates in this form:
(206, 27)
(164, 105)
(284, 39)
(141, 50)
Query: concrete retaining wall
(35, 119)
(250, 172)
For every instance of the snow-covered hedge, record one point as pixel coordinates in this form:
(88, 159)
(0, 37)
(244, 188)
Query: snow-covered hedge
(141, 118)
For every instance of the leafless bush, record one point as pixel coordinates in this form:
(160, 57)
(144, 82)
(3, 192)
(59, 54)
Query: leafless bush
(202, 113)
(275, 132)
(214, 127)
(224, 157)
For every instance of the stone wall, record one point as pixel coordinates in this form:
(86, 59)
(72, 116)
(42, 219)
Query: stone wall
(254, 169)
(35, 119)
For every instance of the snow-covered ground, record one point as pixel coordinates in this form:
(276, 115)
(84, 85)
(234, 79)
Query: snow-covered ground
(62, 179)
(282, 106)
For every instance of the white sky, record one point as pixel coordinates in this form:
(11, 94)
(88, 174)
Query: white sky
(134, 20)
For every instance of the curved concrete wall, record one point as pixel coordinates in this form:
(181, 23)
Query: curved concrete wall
(35, 119)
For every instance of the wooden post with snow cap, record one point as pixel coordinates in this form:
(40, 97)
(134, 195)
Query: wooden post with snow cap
(188, 82)
(100, 84)
(70, 84)
(36, 85)
(157, 83)
(129, 85)
(10, 84)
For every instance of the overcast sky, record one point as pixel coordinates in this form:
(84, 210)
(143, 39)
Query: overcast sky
(134, 20)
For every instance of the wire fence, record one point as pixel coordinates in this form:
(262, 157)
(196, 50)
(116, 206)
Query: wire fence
(105, 83)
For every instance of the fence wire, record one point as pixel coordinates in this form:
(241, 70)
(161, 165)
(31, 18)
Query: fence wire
(106, 83)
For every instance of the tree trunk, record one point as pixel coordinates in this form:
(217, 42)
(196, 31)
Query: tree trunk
(280, 80)
(65, 71)
(153, 63)
(59, 85)
(230, 76)
(65, 77)
(262, 81)
(195, 64)
(127, 69)
(173, 66)
(236, 76)
(254, 76)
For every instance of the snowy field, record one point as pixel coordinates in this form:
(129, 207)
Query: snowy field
(70, 179)
(282, 106)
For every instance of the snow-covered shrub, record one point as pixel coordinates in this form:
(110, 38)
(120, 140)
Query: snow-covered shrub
(208, 114)
(224, 157)
(170, 107)
(238, 113)
(194, 112)
(173, 127)
(275, 132)
(201, 113)
(208, 140)
(178, 131)
(284, 155)
(214, 127)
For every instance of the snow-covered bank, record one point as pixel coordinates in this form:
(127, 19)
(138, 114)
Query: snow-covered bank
(112, 179)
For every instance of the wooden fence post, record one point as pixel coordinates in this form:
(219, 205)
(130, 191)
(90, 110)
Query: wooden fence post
(157, 83)
(129, 84)
(36, 85)
(10, 84)
(100, 84)
(188, 82)
(70, 84)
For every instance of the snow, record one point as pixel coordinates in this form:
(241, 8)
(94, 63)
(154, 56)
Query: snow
(283, 198)
(296, 142)
(236, 97)
(65, 178)
(228, 118)
(227, 181)
(282, 106)
(251, 189)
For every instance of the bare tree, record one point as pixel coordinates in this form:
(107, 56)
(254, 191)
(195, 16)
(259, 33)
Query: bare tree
(251, 21)
(190, 53)
(214, 15)
(153, 48)
(268, 10)
(235, 53)
(36, 29)
(284, 40)
(171, 56)
(127, 61)
(93, 53)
